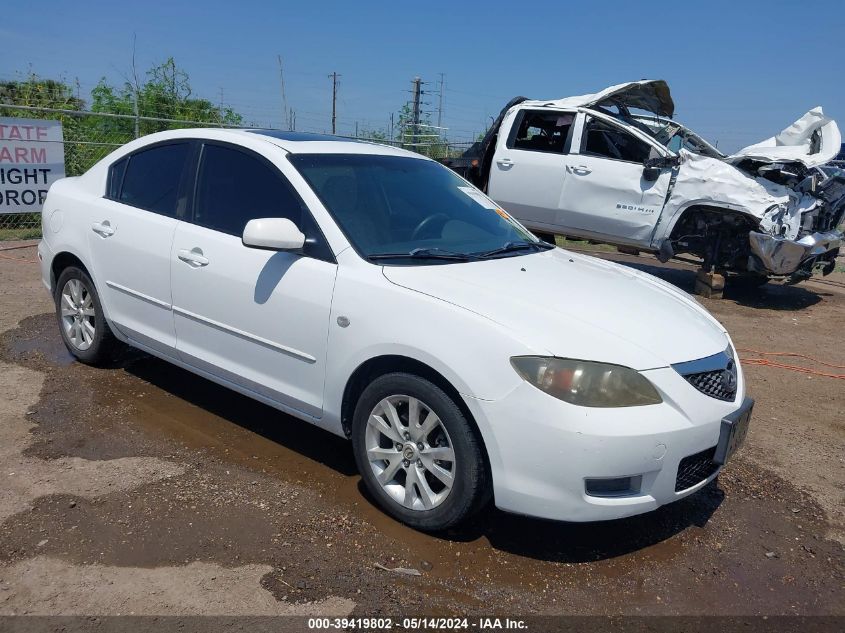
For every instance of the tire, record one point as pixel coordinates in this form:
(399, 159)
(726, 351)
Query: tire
(75, 291)
(422, 504)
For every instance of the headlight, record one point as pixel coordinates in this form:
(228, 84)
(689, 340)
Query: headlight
(585, 383)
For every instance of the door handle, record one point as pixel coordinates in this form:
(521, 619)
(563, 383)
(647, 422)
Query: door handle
(193, 257)
(505, 162)
(580, 170)
(103, 229)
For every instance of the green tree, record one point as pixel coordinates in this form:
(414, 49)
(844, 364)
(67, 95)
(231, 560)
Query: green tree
(166, 94)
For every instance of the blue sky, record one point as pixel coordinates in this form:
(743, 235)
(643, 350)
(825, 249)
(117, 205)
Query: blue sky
(739, 71)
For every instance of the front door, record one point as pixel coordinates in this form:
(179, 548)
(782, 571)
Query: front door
(256, 318)
(605, 195)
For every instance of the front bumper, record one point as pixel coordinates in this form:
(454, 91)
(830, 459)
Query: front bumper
(544, 451)
(780, 256)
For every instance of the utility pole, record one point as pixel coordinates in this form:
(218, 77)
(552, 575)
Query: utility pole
(334, 77)
(440, 103)
(391, 126)
(417, 93)
(285, 112)
(136, 89)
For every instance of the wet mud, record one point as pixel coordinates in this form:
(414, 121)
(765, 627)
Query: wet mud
(260, 487)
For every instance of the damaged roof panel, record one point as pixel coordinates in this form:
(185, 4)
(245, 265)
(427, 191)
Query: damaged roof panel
(651, 95)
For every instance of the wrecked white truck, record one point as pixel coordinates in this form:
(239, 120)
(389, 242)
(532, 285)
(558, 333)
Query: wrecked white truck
(614, 167)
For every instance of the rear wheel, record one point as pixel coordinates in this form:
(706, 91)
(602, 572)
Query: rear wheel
(417, 454)
(82, 325)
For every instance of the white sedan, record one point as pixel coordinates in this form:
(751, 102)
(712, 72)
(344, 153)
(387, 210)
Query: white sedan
(376, 294)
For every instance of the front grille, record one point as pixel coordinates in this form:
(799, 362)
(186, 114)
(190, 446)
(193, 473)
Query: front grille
(694, 469)
(712, 383)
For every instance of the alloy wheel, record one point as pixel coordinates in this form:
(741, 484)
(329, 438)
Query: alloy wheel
(78, 314)
(410, 452)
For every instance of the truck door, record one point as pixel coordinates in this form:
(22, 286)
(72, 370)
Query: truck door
(529, 165)
(605, 195)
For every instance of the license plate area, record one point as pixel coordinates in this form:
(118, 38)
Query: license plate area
(733, 431)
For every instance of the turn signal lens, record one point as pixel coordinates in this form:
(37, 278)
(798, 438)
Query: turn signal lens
(586, 383)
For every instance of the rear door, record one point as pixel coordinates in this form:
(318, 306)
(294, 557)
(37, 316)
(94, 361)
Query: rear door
(604, 194)
(131, 235)
(529, 166)
(256, 318)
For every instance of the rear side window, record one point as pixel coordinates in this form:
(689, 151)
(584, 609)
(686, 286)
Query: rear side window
(236, 186)
(540, 131)
(152, 177)
(116, 172)
(609, 141)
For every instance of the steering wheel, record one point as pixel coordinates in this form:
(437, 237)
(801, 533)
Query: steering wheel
(434, 222)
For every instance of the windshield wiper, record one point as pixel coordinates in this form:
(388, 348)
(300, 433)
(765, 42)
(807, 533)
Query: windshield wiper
(425, 253)
(513, 247)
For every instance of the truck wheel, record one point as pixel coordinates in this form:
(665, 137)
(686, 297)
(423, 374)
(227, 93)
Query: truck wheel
(417, 454)
(82, 324)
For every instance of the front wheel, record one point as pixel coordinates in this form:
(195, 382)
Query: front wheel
(417, 454)
(82, 323)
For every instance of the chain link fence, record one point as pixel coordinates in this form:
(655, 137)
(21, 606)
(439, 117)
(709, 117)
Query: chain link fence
(90, 136)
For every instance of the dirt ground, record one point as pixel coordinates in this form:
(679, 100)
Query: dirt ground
(144, 489)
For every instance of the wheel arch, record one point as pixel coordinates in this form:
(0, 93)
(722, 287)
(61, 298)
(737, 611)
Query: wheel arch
(701, 206)
(377, 366)
(62, 260)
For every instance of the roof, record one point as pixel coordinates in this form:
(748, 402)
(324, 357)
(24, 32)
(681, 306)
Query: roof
(291, 142)
(312, 143)
(282, 135)
(651, 95)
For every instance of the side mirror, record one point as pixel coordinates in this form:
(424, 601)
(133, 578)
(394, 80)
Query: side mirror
(652, 167)
(651, 173)
(277, 234)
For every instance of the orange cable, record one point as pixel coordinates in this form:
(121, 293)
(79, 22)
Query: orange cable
(19, 259)
(804, 370)
(766, 362)
(790, 354)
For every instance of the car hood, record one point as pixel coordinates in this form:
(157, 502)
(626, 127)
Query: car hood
(813, 140)
(570, 305)
(651, 95)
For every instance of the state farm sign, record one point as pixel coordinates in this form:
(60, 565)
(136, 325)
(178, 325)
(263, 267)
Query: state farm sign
(32, 157)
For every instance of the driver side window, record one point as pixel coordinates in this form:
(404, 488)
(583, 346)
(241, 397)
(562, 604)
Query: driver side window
(235, 186)
(608, 141)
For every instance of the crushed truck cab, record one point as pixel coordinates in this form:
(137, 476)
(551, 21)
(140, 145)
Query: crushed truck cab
(615, 167)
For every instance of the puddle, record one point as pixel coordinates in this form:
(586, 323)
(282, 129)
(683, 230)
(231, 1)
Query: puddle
(44, 345)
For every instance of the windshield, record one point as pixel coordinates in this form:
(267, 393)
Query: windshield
(675, 136)
(403, 210)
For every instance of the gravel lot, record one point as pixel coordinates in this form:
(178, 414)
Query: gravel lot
(144, 489)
